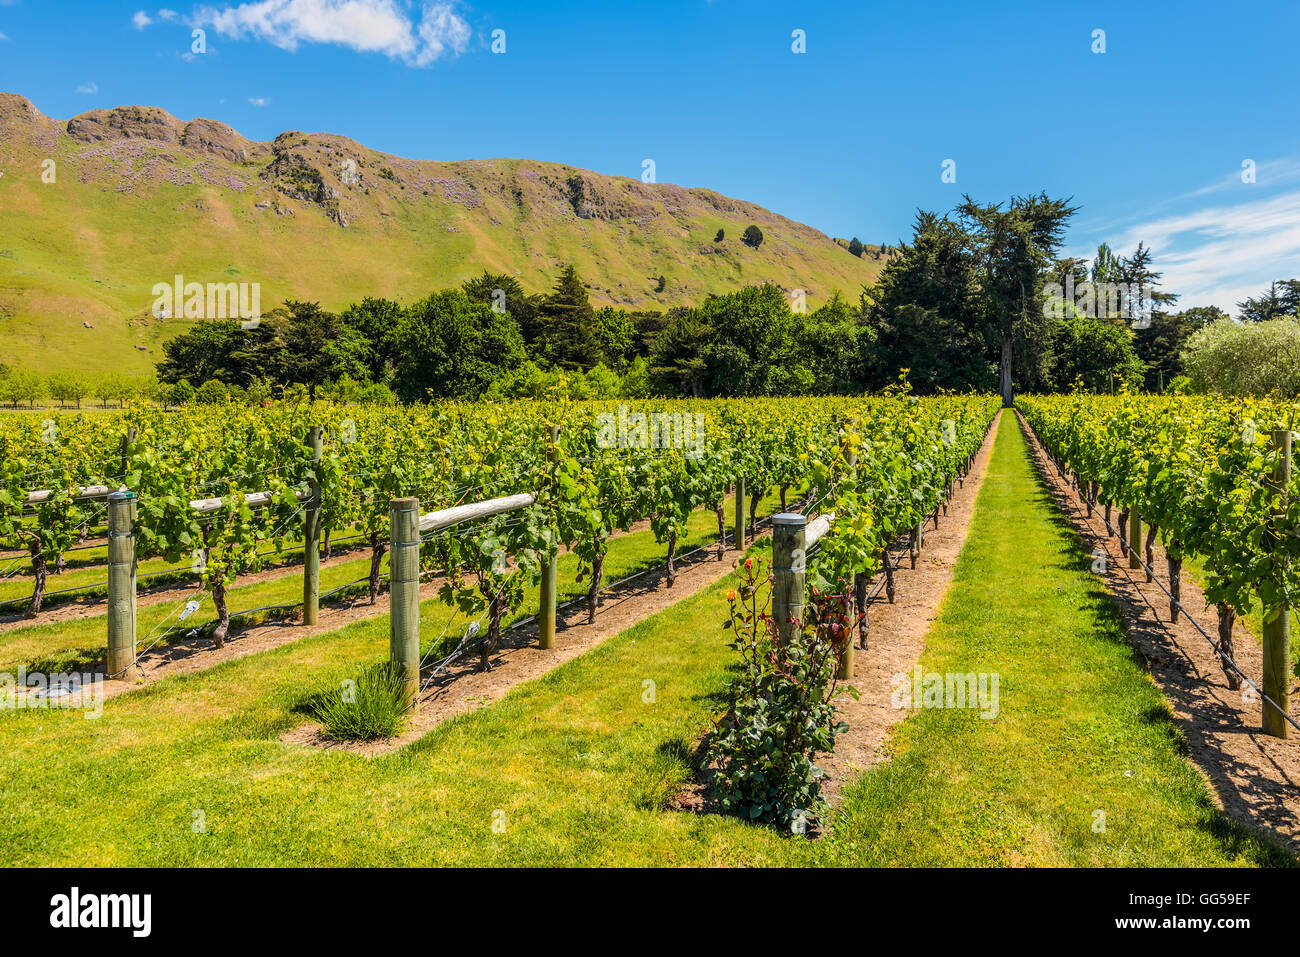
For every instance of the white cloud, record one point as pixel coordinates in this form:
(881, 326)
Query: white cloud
(141, 20)
(368, 26)
(1221, 254)
(170, 15)
(1268, 173)
(258, 100)
(89, 88)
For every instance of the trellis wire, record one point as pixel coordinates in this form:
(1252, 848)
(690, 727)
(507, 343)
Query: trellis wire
(1134, 553)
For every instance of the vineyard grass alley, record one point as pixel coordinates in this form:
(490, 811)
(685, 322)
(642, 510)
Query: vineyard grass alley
(577, 767)
(1081, 728)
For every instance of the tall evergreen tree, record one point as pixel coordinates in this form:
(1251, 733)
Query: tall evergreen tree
(1281, 299)
(677, 364)
(1135, 270)
(501, 291)
(314, 346)
(568, 332)
(1015, 249)
(923, 313)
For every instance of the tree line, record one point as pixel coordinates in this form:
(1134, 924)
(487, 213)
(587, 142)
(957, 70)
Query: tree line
(972, 301)
(967, 303)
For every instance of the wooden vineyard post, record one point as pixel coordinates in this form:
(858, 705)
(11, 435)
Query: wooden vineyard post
(1134, 538)
(404, 616)
(546, 608)
(1277, 633)
(127, 441)
(121, 583)
(844, 671)
(740, 514)
(788, 567)
(311, 537)
(858, 607)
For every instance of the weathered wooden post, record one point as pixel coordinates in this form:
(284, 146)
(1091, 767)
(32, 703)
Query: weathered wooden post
(858, 608)
(740, 514)
(404, 612)
(1134, 538)
(127, 440)
(844, 671)
(1277, 633)
(789, 565)
(311, 536)
(121, 583)
(546, 606)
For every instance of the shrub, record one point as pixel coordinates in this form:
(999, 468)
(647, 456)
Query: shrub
(212, 392)
(181, 393)
(377, 392)
(781, 714)
(1245, 358)
(636, 384)
(363, 709)
(602, 383)
(753, 236)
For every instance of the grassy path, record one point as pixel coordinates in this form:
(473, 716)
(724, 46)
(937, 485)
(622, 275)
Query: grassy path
(579, 766)
(1081, 730)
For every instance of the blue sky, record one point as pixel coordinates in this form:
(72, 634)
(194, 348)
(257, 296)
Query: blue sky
(850, 136)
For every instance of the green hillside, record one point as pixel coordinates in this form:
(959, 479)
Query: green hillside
(138, 197)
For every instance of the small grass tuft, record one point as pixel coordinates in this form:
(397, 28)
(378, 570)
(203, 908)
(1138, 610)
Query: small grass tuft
(361, 709)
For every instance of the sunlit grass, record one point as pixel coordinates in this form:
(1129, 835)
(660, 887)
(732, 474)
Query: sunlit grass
(1082, 730)
(579, 767)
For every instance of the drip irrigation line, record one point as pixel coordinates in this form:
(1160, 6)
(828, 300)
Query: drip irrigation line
(1133, 553)
(50, 594)
(197, 596)
(18, 563)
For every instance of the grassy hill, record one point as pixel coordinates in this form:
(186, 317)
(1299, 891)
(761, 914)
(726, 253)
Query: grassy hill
(139, 196)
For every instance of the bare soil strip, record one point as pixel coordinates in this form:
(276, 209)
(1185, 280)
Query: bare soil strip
(1255, 777)
(897, 634)
(463, 688)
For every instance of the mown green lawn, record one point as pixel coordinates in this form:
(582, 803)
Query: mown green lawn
(578, 768)
(563, 760)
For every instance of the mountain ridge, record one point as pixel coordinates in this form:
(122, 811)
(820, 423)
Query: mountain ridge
(138, 196)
